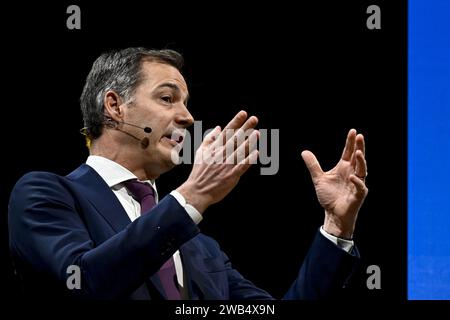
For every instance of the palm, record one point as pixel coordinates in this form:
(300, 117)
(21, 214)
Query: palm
(341, 191)
(336, 193)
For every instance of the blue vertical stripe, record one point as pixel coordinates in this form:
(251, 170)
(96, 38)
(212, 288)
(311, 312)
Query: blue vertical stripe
(429, 149)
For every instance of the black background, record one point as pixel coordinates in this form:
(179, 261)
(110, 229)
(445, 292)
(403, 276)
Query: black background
(311, 70)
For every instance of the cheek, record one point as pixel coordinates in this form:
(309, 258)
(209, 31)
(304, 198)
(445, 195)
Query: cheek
(159, 125)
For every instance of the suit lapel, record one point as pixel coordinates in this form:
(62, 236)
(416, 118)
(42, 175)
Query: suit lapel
(97, 192)
(100, 195)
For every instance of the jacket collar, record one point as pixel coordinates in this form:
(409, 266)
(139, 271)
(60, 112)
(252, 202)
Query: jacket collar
(99, 194)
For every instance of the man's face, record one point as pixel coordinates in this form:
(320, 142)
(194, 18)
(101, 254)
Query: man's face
(160, 103)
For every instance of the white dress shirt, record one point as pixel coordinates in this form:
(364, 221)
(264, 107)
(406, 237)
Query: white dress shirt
(114, 175)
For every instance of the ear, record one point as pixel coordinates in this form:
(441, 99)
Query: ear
(112, 103)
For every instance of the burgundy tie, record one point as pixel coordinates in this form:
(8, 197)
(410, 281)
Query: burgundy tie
(145, 195)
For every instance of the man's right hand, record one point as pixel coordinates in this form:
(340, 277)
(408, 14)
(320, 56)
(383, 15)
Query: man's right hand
(220, 161)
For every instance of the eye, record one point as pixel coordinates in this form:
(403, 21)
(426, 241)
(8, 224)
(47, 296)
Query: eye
(167, 99)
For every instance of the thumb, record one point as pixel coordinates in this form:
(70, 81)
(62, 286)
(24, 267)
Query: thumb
(312, 164)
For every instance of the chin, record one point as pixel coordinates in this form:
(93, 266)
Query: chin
(170, 158)
(171, 155)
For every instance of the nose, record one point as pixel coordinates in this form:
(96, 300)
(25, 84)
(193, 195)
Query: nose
(184, 117)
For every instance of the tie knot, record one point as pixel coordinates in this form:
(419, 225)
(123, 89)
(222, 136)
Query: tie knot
(140, 190)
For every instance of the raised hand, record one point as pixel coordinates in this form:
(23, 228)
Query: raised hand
(342, 190)
(223, 157)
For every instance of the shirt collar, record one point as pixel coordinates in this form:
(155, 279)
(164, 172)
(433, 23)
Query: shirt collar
(112, 172)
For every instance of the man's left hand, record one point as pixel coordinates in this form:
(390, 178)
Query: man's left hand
(342, 190)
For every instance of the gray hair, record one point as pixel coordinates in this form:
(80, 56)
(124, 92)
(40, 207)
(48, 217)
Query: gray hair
(121, 72)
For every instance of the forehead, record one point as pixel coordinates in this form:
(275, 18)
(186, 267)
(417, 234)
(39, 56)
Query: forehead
(156, 73)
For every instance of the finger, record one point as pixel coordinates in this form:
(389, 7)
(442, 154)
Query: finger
(232, 138)
(244, 165)
(236, 140)
(361, 164)
(206, 153)
(312, 164)
(212, 136)
(240, 136)
(237, 121)
(244, 149)
(234, 124)
(361, 189)
(349, 145)
(245, 131)
(360, 144)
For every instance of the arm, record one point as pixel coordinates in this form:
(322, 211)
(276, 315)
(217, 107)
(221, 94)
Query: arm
(48, 234)
(341, 192)
(325, 270)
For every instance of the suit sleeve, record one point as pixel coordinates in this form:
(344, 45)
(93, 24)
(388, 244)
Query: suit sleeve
(47, 234)
(325, 271)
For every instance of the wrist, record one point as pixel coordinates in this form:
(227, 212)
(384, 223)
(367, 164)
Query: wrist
(338, 228)
(193, 197)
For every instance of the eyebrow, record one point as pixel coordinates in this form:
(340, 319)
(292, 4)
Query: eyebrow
(174, 87)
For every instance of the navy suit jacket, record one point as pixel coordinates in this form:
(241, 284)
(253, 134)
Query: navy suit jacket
(57, 221)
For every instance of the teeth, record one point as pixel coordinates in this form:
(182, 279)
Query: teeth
(176, 136)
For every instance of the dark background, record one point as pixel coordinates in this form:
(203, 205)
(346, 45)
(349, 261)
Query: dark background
(311, 70)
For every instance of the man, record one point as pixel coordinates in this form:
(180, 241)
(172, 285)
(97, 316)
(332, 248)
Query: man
(103, 219)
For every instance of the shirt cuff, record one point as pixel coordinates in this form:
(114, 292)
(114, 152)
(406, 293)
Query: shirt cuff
(346, 245)
(191, 211)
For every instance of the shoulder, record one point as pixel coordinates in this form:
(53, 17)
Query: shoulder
(36, 179)
(39, 185)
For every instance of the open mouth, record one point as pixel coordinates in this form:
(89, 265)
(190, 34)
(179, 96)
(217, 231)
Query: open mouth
(174, 138)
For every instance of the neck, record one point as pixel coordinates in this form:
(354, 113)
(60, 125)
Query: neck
(126, 155)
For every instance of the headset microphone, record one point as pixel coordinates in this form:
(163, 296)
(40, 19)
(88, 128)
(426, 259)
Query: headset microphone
(144, 141)
(113, 124)
(146, 129)
(109, 122)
